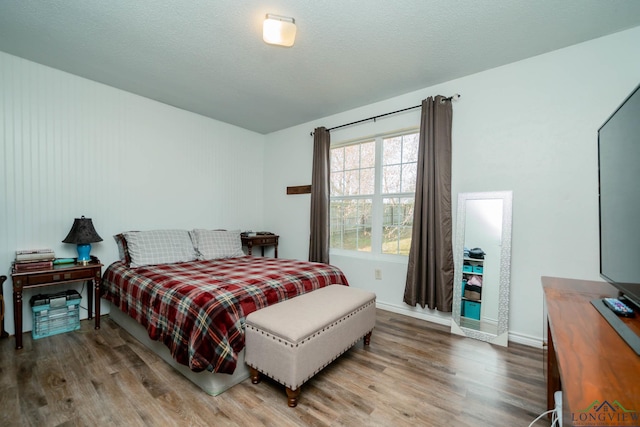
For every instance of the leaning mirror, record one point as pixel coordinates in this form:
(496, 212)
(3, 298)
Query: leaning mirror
(482, 260)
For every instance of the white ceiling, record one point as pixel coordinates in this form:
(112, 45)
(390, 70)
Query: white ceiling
(207, 56)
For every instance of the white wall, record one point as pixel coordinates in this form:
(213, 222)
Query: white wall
(73, 147)
(530, 127)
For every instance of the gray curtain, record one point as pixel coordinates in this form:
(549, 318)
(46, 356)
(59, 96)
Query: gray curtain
(430, 270)
(319, 234)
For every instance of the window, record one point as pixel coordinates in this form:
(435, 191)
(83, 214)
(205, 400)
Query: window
(373, 186)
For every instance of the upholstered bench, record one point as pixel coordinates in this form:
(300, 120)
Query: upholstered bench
(293, 340)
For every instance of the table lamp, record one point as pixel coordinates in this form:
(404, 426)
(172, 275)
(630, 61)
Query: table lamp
(83, 234)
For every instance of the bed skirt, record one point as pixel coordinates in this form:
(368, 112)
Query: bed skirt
(213, 384)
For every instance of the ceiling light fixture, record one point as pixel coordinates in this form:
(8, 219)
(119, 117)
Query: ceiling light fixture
(279, 30)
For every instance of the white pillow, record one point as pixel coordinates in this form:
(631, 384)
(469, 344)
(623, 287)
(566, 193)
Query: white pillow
(159, 247)
(215, 244)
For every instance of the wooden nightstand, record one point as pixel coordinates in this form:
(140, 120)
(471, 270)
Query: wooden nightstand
(59, 274)
(261, 240)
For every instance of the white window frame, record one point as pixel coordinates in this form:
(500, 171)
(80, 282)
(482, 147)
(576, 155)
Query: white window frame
(378, 196)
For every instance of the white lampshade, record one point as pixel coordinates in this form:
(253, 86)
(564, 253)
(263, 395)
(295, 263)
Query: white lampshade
(279, 30)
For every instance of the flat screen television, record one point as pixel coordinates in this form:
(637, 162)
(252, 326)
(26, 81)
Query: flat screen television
(619, 198)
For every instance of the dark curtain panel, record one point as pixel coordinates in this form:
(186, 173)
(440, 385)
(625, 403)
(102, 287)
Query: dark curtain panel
(319, 234)
(430, 269)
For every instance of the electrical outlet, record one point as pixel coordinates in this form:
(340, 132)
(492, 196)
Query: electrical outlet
(378, 274)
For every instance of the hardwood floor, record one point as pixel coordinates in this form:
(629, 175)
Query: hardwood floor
(414, 373)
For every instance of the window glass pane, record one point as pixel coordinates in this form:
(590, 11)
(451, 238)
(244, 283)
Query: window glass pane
(368, 155)
(351, 217)
(396, 240)
(337, 159)
(408, 205)
(408, 183)
(390, 240)
(337, 184)
(336, 224)
(396, 225)
(352, 157)
(364, 225)
(350, 224)
(391, 179)
(410, 148)
(352, 183)
(389, 215)
(367, 181)
(392, 150)
(389, 226)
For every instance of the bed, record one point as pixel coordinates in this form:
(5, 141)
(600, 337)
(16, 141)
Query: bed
(192, 312)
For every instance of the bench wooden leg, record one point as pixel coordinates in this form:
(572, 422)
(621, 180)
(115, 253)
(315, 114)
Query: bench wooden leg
(367, 339)
(293, 397)
(255, 375)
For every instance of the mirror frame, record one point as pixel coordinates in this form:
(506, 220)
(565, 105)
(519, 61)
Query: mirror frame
(502, 336)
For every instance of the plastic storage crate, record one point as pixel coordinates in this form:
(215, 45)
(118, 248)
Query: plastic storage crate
(55, 313)
(471, 309)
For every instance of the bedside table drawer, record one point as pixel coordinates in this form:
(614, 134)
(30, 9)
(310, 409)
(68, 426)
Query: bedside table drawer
(62, 276)
(269, 240)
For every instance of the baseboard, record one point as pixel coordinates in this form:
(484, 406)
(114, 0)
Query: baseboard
(527, 340)
(445, 319)
(440, 319)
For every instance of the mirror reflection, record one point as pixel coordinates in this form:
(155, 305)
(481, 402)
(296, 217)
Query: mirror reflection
(482, 266)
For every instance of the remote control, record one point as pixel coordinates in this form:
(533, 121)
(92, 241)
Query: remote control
(618, 307)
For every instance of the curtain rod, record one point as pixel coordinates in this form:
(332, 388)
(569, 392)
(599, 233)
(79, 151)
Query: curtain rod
(453, 97)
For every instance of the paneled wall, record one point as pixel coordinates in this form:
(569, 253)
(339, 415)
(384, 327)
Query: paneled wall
(73, 147)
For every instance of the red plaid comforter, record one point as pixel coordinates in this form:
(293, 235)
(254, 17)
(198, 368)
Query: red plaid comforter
(197, 309)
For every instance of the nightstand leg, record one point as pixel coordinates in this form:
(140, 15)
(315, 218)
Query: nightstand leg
(17, 316)
(3, 333)
(96, 292)
(89, 299)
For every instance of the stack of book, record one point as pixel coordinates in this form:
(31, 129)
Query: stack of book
(34, 259)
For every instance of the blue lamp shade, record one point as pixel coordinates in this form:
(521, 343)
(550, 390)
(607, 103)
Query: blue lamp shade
(83, 234)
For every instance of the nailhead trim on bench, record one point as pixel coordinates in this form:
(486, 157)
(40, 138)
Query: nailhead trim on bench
(288, 344)
(295, 387)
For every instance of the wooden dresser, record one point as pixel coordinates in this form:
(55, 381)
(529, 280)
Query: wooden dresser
(598, 373)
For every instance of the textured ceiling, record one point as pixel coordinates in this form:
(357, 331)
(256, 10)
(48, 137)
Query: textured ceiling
(207, 56)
